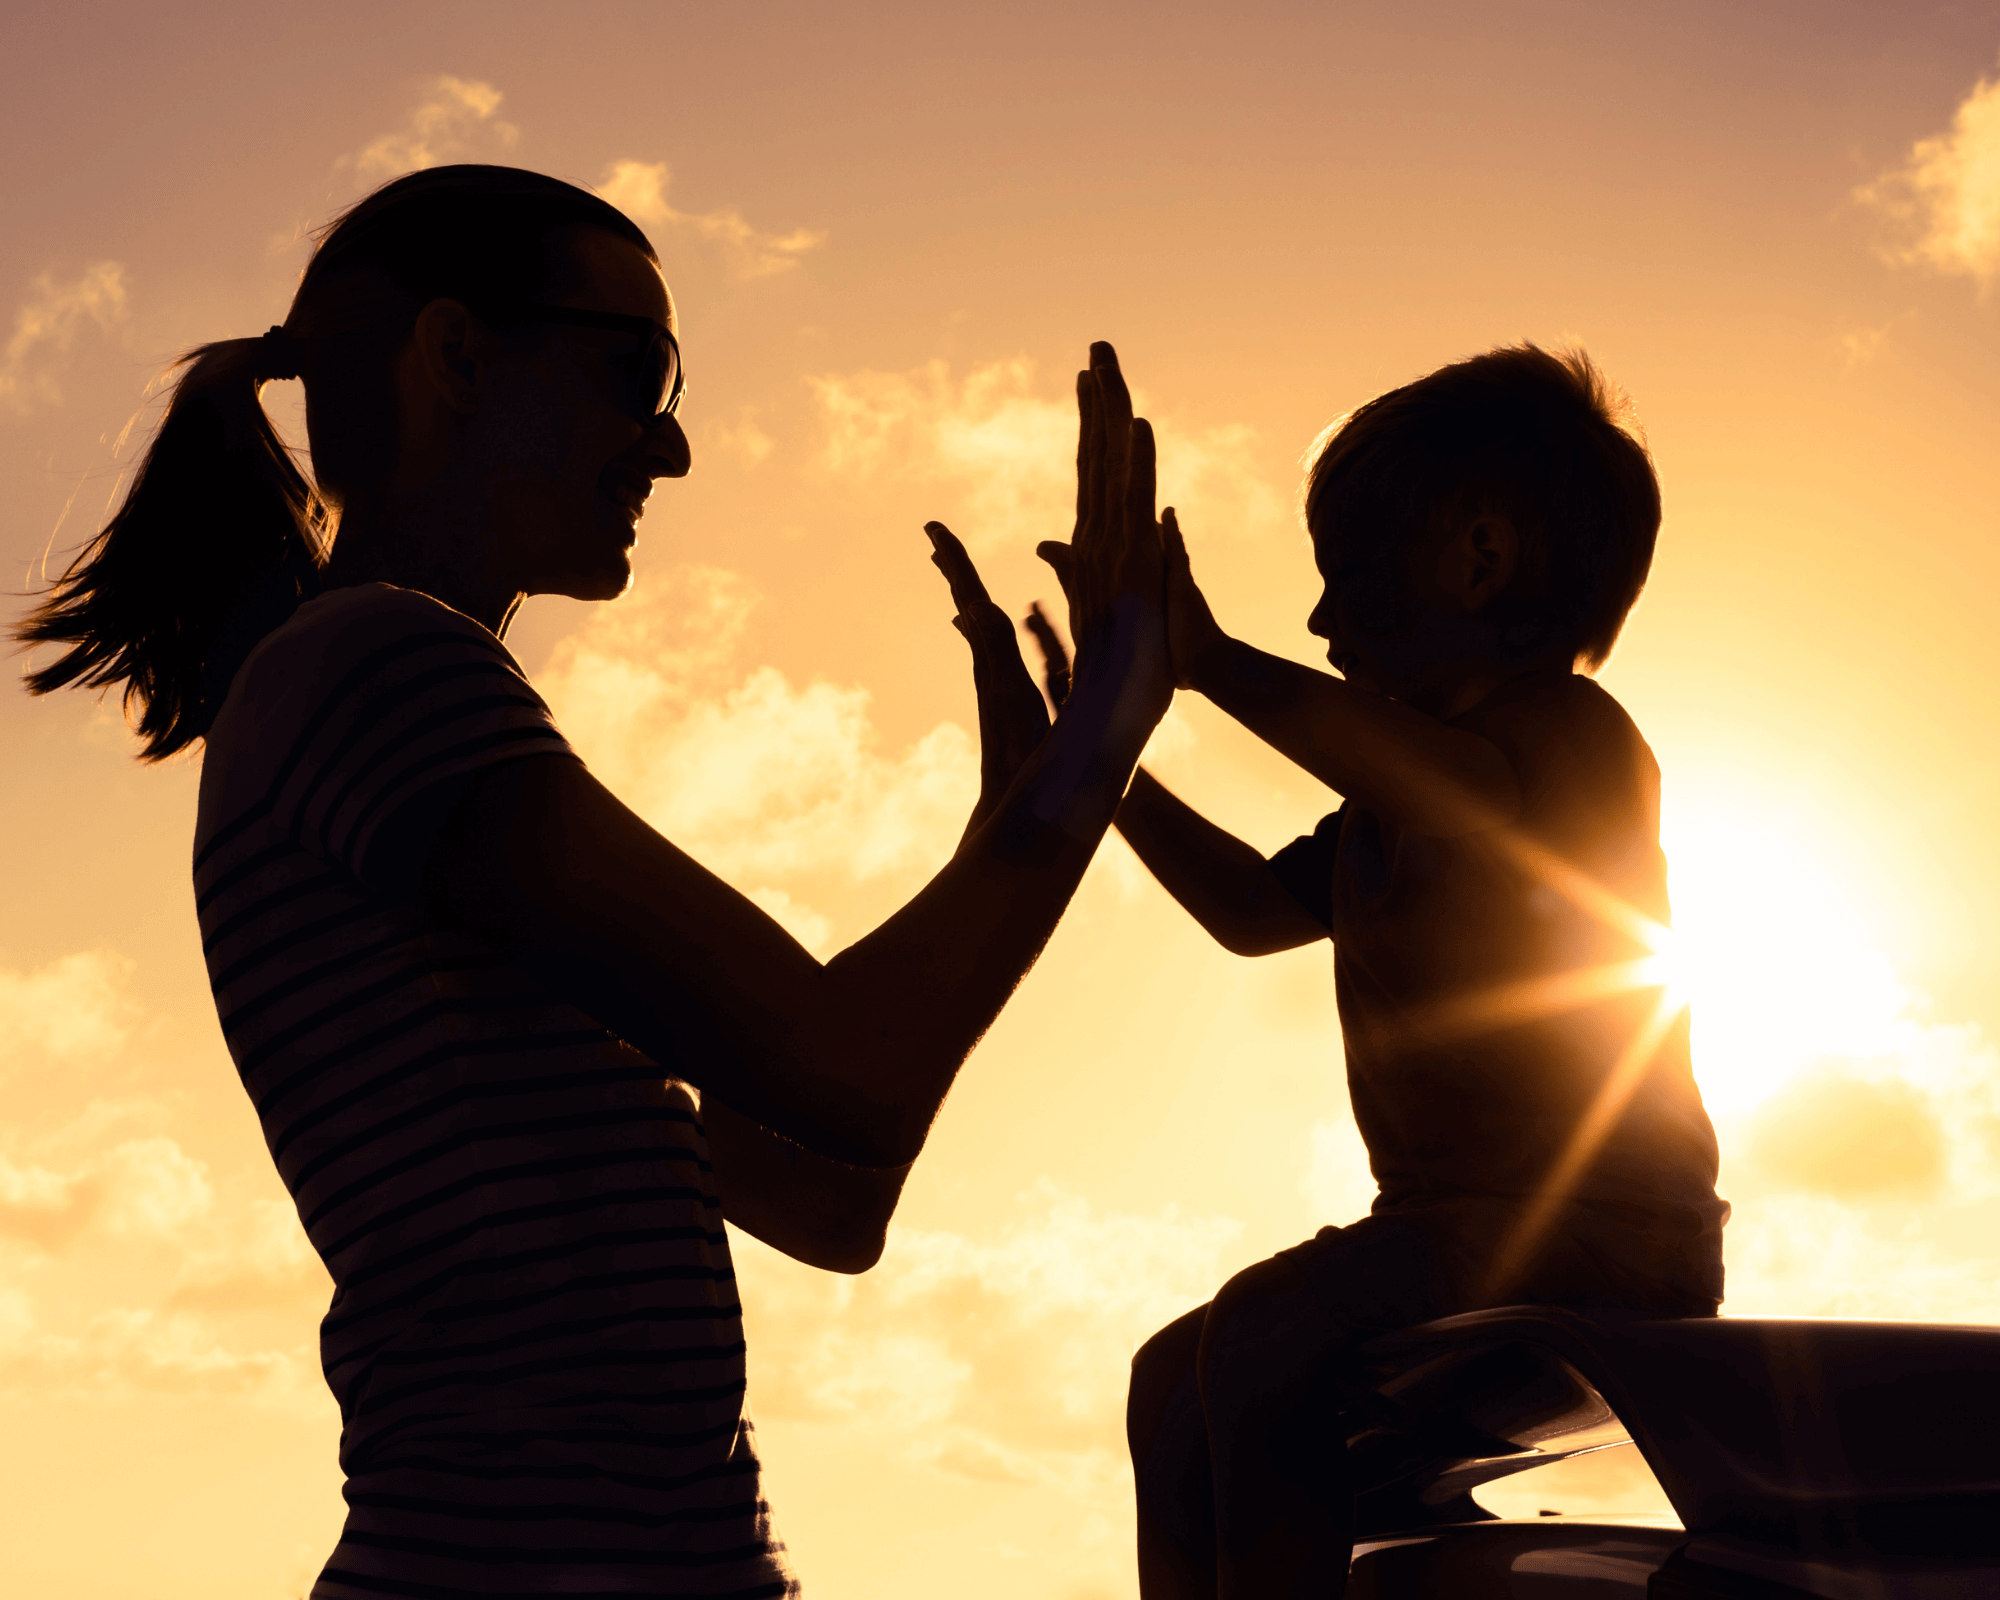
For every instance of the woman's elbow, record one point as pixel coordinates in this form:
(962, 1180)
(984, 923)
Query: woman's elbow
(856, 1255)
(848, 1245)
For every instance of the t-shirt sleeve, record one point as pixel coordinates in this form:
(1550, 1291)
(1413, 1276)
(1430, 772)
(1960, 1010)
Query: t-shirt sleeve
(1589, 785)
(1305, 868)
(379, 709)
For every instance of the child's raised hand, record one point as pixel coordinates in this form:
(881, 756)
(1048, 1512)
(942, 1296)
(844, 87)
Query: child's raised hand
(1192, 630)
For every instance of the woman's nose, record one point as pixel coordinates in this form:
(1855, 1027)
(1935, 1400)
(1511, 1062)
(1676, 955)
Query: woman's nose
(668, 449)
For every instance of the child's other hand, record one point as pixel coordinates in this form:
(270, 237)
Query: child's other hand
(1055, 655)
(1192, 631)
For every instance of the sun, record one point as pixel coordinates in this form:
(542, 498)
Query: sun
(1772, 953)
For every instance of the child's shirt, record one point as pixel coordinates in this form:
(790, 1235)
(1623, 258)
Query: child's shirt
(1491, 1010)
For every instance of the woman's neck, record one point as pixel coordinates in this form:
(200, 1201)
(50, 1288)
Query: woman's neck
(432, 555)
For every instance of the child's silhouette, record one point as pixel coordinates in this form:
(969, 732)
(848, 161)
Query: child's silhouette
(1523, 1088)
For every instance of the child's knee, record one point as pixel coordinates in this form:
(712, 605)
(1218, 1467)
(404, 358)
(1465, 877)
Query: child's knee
(1164, 1401)
(1165, 1362)
(1262, 1328)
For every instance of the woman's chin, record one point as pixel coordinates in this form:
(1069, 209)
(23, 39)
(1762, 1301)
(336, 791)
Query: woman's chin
(605, 579)
(607, 585)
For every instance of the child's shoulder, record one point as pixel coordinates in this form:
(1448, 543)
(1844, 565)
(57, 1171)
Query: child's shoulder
(1561, 711)
(1576, 751)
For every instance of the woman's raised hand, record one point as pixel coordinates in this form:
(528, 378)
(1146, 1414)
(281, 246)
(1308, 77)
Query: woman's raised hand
(1012, 718)
(1115, 550)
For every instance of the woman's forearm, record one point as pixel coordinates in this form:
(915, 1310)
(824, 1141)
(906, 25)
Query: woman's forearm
(920, 989)
(852, 1058)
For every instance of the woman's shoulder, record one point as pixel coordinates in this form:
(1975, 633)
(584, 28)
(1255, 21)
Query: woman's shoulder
(357, 651)
(365, 616)
(366, 633)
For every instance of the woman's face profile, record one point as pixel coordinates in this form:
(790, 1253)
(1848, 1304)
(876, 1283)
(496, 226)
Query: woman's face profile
(567, 466)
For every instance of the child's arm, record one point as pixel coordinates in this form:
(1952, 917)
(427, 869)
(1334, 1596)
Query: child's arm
(1403, 764)
(1219, 880)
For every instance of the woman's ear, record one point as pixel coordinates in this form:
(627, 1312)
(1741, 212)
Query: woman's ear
(1479, 560)
(445, 342)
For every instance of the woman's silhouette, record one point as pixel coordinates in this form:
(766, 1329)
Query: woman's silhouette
(454, 971)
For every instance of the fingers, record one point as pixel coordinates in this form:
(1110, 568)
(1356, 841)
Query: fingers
(1062, 558)
(1112, 394)
(1114, 426)
(1086, 447)
(968, 590)
(1141, 485)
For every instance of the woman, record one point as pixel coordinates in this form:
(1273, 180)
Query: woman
(454, 971)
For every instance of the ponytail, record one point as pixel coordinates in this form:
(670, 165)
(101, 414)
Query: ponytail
(218, 540)
(221, 537)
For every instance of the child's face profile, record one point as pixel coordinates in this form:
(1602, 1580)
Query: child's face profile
(1401, 615)
(1363, 610)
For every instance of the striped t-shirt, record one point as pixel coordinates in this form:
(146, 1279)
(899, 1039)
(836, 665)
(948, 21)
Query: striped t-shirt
(534, 1337)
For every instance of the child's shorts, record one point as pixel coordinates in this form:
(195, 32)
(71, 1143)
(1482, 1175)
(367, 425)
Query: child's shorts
(1427, 1259)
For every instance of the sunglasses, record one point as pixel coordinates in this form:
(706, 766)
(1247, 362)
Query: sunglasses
(653, 378)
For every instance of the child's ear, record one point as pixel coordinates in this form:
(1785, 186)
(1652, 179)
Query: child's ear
(1481, 559)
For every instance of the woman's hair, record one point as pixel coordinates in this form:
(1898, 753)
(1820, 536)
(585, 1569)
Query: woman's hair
(1544, 440)
(220, 536)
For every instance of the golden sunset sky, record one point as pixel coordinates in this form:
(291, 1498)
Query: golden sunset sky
(892, 230)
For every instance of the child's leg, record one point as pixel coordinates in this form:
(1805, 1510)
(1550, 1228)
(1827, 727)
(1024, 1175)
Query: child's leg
(1270, 1369)
(1169, 1439)
(1284, 1509)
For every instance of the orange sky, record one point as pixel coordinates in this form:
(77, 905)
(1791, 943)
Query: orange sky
(892, 231)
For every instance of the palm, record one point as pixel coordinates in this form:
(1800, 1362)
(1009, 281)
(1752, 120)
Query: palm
(1012, 717)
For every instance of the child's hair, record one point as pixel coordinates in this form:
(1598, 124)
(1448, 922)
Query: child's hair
(220, 536)
(1542, 439)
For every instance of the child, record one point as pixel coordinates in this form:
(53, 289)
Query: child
(1520, 1080)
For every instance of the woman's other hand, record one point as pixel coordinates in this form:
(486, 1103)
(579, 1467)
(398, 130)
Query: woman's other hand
(1012, 718)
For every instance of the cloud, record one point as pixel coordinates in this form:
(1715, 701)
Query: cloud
(748, 443)
(143, 1190)
(1946, 198)
(1818, 1255)
(760, 779)
(141, 1221)
(1000, 1358)
(1011, 452)
(1841, 1135)
(639, 189)
(1860, 1137)
(41, 1206)
(116, 1353)
(253, 1257)
(454, 122)
(46, 325)
(1860, 346)
(126, 1265)
(70, 1008)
